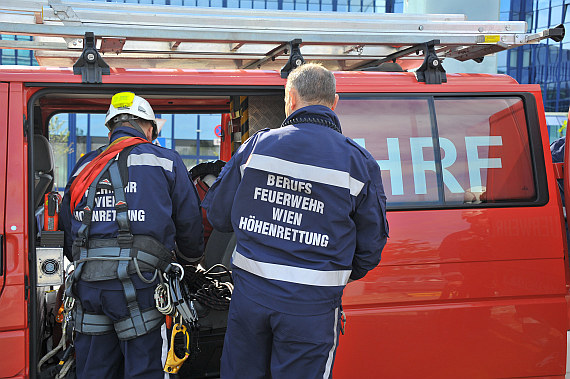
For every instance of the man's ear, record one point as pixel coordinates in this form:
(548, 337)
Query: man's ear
(335, 101)
(293, 99)
(148, 132)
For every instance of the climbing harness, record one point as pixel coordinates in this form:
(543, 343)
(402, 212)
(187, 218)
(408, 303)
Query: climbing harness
(117, 258)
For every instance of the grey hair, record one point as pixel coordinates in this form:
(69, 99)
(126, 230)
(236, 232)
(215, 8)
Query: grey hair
(314, 84)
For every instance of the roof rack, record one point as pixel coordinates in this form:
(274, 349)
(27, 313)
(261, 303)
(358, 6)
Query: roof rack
(139, 36)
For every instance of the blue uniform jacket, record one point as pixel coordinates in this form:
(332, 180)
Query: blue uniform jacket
(309, 211)
(163, 203)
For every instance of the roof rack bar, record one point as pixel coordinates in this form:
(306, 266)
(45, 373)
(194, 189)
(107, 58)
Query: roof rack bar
(279, 50)
(399, 54)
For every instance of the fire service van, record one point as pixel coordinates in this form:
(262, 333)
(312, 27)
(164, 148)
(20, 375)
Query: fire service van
(474, 280)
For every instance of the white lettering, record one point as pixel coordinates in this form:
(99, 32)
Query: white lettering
(287, 183)
(251, 224)
(449, 157)
(287, 199)
(420, 165)
(394, 165)
(475, 163)
(270, 180)
(277, 214)
(131, 187)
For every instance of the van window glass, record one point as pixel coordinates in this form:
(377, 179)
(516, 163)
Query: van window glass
(398, 134)
(72, 135)
(483, 150)
(485, 147)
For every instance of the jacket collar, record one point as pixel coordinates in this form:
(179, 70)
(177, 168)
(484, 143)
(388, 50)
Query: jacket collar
(125, 131)
(315, 111)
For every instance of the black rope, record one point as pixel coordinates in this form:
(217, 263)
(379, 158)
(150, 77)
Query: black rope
(209, 287)
(312, 120)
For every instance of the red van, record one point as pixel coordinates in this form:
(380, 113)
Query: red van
(473, 282)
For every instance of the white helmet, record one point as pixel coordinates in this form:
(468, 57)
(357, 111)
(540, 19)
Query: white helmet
(127, 103)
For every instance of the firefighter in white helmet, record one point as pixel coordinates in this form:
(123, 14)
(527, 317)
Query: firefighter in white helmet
(126, 210)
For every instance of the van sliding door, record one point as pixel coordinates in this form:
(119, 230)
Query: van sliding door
(472, 278)
(12, 256)
(3, 140)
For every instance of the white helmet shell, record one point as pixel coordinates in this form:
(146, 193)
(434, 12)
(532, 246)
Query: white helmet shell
(129, 103)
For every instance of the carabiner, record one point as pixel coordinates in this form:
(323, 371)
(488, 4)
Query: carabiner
(181, 269)
(173, 362)
(68, 303)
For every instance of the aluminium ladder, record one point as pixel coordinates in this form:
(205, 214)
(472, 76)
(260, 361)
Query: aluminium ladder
(159, 36)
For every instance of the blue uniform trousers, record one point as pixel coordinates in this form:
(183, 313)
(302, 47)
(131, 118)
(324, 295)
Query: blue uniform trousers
(263, 343)
(105, 356)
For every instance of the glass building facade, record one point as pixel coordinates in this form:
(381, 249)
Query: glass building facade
(17, 57)
(547, 63)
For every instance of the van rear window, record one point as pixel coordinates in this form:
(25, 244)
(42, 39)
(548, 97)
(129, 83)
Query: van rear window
(452, 151)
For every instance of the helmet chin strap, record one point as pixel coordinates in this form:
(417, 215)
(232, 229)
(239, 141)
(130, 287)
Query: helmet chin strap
(136, 126)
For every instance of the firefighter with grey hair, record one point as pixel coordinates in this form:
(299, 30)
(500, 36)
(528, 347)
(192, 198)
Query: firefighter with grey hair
(308, 210)
(128, 211)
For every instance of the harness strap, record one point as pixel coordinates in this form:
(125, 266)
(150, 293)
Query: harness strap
(125, 240)
(91, 324)
(81, 241)
(98, 324)
(113, 253)
(126, 329)
(125, 236)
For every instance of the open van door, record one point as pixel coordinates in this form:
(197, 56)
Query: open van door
(3, 139)
(12, 279)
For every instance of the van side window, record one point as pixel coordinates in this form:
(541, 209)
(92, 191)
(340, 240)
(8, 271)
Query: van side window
(76, 134)
(489, 138)
(445, 151)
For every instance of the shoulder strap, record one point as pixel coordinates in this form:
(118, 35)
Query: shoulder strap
(123, 169)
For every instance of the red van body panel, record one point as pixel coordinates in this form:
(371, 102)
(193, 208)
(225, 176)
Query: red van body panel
(14, 300)
(459, 292)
